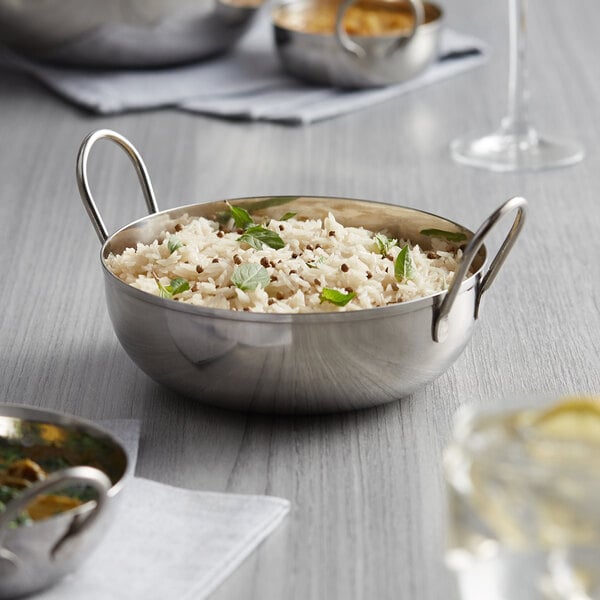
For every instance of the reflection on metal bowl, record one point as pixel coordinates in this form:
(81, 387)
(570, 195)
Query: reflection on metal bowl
(296, 363)
(123, 33)
(36, 555)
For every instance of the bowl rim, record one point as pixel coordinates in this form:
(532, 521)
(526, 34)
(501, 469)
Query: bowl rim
(272, 318)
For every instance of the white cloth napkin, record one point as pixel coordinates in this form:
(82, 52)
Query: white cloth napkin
(167, 542)
(247, 83)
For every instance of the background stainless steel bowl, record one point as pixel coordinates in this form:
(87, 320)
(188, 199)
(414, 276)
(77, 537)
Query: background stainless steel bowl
(35, 556)
(123, 33)
(359, 61)
(295, 363)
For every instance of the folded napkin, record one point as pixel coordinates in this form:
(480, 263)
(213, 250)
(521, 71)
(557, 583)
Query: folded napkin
(167, 542)
(247, 83)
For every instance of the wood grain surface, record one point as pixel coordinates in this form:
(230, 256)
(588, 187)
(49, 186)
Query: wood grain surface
(368, 516)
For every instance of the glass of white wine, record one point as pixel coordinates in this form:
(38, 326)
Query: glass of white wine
(516, 145)
(524, 503)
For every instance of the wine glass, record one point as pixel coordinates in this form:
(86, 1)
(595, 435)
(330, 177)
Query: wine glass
(516, 145)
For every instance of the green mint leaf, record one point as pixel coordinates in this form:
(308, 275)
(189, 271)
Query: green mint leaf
(336, 297)
(288, 215)
(451, 236)
(224, 216)
(403, 266)
(256, 236)
(249, 276)
(178, 285)
(384, 243)
(251, 240)
(241, 217)
(164, 292)
(174, 244)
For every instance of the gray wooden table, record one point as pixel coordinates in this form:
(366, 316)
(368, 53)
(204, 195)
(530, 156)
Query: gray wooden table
(368, 516)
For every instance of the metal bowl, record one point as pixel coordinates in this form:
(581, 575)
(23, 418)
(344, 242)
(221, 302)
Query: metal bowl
(295, 363)
(359, 61)
(35, 556)
(123, 33)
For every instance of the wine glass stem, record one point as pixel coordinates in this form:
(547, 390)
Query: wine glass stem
(517, 120)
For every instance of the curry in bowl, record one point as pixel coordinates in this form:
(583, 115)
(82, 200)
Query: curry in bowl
(31, 450)
(364, 18)
(60, 479)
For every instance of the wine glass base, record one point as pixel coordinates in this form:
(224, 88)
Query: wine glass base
(503, 152)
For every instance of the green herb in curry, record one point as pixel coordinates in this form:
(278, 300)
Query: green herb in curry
(19, 471)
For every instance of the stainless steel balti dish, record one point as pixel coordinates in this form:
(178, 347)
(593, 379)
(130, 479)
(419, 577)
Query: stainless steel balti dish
(37, 554)
(356, 61)
(123, 33)
(295, 363)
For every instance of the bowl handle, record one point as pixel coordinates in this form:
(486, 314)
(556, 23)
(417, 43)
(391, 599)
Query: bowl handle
(84, 186)
(440, 315)
(356, 49)
(55, 481)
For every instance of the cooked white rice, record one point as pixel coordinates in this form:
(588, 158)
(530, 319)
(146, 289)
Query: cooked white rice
(340, 258)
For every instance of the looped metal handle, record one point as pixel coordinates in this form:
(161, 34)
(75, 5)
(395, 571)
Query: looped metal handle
(84, 186)
(356, 49)
(440, 319)
(55, 481)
